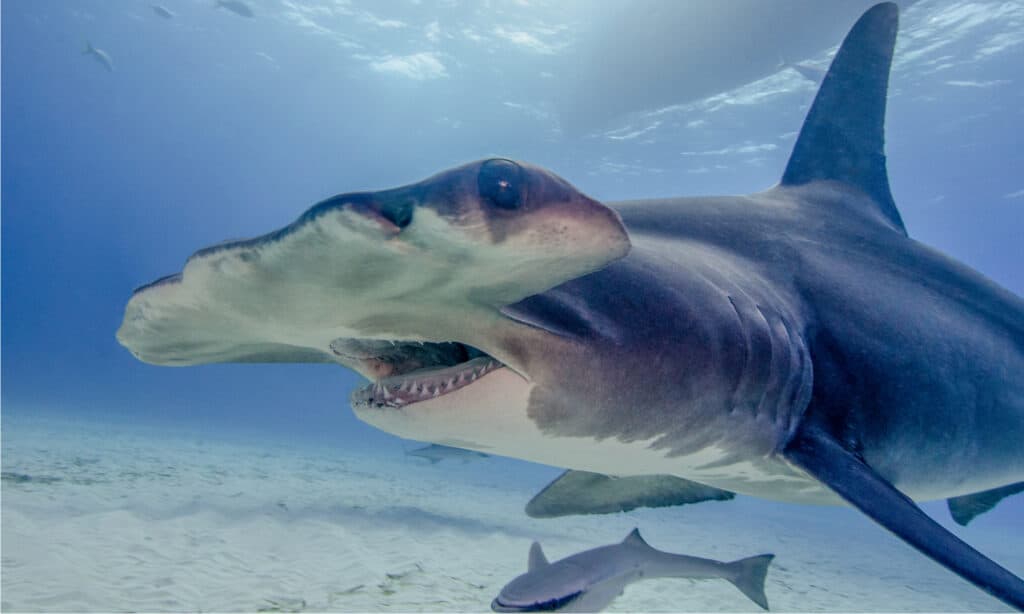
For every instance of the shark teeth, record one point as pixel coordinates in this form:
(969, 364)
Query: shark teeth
(399, 391)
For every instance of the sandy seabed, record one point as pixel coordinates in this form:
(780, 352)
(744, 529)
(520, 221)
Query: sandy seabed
(111, 517)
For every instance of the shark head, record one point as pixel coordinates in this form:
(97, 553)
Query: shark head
(552, 588)
(481, 237)
(404, 286)
(487, 233)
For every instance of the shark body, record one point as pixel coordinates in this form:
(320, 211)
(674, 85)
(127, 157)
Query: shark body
(589, 581)
(792, 344)
(238, 7)
(162, 11)
(100, 56)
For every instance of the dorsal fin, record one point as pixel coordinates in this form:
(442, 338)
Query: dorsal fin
(635, 539)
(843, 137)
(537, 558)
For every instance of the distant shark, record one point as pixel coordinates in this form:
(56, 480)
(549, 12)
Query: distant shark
(100, 55)
(238, 7)
(436, 453)
(162, 11)
(589, 581)
(792, 344)
(811, 73)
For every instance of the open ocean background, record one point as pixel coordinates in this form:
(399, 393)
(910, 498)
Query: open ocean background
(214, 126)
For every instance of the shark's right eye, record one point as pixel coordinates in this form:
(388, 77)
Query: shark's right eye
(500, 183)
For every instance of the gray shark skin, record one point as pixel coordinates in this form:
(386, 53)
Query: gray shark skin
(436, 453)
(100, 56)
(589, 581)
(792, 344)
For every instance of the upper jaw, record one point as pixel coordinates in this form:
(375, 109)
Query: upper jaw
(401, 390)
(403, 373)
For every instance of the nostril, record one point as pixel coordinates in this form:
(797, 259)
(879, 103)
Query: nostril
(398, 212)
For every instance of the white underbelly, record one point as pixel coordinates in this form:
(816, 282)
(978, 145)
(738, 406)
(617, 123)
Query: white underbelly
(491, 416)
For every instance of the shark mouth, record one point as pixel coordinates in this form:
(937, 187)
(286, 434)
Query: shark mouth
(550, 605)
(408, 372)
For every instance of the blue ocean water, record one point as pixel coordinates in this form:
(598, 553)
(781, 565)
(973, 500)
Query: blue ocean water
(212, 125)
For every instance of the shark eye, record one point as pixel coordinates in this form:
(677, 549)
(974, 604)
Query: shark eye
(500, 183)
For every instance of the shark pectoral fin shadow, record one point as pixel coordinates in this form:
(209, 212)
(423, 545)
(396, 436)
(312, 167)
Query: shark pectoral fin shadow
(583, 492)
(964, 509)
(820, 455)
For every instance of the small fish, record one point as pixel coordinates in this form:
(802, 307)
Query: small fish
(238, 7)
(589, 581)
(163, 11)
(436, 453)
(101, 56)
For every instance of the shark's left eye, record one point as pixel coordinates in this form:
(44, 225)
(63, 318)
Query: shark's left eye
(500, 183)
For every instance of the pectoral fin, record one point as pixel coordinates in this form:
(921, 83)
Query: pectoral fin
(964, 509)
(820, 455)
(582, 492)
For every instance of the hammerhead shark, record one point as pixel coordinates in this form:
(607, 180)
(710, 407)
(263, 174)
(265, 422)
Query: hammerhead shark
(793, 344)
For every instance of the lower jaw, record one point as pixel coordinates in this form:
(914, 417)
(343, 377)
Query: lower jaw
(399, 391)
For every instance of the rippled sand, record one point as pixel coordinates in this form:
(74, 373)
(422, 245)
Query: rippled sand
(109, 517)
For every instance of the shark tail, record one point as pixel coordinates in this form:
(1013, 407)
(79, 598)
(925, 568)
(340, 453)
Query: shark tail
(88, 48)
(749, 576)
